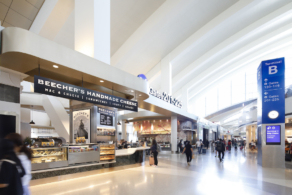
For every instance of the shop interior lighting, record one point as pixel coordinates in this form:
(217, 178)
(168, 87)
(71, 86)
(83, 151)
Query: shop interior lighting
(55, 66)
(101, 81)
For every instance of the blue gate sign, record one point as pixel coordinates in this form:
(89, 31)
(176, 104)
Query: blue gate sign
(271, 91)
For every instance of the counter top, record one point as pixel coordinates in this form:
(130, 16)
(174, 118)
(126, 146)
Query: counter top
(129, 151)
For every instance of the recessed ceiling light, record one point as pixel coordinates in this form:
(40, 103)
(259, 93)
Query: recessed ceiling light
(140, 95)
(132, 90)
(55, 66)
(101, 81)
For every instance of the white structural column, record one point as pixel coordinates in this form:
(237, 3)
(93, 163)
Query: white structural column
(173, 134)
(92, 28)
(9, 102)
(166, 75)
(58, 115)
(124, 131)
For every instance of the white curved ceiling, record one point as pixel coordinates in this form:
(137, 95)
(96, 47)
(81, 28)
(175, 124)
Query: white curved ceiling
(204, 40)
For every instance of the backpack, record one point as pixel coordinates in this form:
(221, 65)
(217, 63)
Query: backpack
(220, 146)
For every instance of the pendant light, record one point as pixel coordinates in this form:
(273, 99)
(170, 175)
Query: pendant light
(31, 122)
(119, 123)
(126, 121)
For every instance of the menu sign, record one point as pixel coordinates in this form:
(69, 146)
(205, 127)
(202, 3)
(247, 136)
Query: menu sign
(106, 111)
(106, 120)
(273, 135)
(65, 90)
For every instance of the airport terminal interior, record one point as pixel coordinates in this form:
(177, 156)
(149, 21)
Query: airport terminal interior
(161, 97)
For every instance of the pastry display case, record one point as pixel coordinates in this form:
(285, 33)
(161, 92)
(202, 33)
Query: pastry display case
(107, 152)
(49, 157)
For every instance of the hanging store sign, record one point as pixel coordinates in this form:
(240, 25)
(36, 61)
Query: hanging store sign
(65, 90)
(106, 111)
(165, 97)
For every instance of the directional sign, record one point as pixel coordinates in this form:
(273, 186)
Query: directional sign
(271, 91)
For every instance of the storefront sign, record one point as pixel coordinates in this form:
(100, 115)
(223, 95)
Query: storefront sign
(81, 125)
(165, 97)
(273, 135)
(271, 91)
(64, 90)
(186, 126)
(106, 120)
(106, 111)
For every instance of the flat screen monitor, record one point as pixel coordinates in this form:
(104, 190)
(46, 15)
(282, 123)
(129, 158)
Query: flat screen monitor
(273, 135)
(7, 125)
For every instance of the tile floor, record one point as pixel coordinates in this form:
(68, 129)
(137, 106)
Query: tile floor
(238, 174)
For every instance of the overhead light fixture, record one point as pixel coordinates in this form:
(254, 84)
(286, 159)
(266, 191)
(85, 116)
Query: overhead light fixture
(132, 90)
(55, 66)
(126, 121)
(119, 123)
(101, 81)
(140, 95)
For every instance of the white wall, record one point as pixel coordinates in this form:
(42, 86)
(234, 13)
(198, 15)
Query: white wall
(40, 118)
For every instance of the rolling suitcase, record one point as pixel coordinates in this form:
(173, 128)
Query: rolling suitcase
(204, 150)
(151, 160)
(288, 157)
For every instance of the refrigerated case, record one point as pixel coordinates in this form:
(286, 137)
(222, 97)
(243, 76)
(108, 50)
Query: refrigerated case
(83, 154)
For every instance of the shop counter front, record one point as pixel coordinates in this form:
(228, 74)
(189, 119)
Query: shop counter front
(130, 151)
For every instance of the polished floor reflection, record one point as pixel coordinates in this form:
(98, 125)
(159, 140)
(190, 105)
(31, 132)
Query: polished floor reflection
(237, 174)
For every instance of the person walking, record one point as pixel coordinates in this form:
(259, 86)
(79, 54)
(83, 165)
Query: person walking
(25, 155)
(199, 146)
(180, 145)
(216, 151)
(189, 152)
(229, 145)
(221, 149)
(154, 152)
(213, 146)
(207, 144)
(11, 169)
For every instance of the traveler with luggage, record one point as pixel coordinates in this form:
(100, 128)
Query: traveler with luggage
(189, 152)
(221, 149)
(154, 151)
(199, 146)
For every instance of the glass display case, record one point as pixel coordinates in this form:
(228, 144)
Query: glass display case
(107, 152)
(47, 155)
(83, 153)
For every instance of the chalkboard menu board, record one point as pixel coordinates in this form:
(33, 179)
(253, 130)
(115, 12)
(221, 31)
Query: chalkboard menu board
(106, 120)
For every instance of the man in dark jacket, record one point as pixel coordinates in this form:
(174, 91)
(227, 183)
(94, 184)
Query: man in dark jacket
(221, 149)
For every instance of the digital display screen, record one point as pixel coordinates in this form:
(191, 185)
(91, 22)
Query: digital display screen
(273, 135)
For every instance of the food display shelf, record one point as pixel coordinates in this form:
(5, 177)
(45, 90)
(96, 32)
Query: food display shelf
(47, 155)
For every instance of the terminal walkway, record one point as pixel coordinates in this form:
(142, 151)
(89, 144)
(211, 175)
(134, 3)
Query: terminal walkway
(237, 174)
